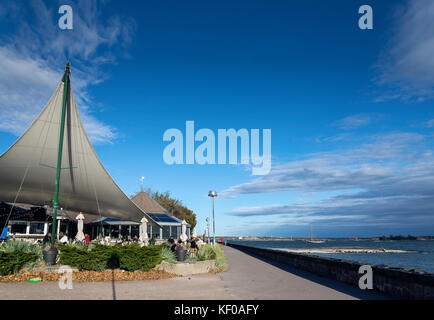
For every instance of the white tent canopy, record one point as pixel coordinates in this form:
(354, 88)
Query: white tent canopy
(28, 167)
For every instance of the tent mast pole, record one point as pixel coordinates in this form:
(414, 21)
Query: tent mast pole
(60, 150)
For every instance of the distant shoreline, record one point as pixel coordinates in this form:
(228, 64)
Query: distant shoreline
(382, 238)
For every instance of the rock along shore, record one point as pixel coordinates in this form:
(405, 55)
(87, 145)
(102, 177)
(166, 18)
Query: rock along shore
(343, 250)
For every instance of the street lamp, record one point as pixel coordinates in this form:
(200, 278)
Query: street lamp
(207, 226)
(213, 194)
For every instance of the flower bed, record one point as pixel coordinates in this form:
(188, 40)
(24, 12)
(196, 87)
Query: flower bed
(91, 276)
(21, 262)
(18, 255)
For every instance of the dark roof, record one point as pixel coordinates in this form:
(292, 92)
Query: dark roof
(147, 204)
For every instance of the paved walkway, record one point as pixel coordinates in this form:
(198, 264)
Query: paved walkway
(248, 277)
(252, 277)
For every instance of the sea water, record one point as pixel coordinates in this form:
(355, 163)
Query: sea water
(422, 259)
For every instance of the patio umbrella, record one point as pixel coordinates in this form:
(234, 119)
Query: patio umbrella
(143, 230)
(194, 235)
(80, 234)
(183, 232)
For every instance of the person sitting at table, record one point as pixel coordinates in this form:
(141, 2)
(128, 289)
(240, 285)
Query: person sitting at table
(87, 239)
(173, 247)
(47, 238)
(63, 238)
(193, 245)
(170, 240)
(180, 245)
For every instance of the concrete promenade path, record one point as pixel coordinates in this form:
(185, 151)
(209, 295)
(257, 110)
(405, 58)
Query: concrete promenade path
(248, 277)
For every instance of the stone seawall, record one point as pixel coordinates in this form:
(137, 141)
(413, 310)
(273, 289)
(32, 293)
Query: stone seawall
(395, 282)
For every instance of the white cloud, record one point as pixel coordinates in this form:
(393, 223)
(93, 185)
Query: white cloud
(363, 165)
(388, 180)
(356, 121)
(429, 123)
(406, 65)
(33, 58)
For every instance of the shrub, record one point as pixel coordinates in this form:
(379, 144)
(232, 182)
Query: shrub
(134, 257)
(16, 254)
(12, 261)
(191, 258)
(83, 258)
(100, 257)
(221, 263)
(210, 252)
(206, 252)
(19, 245)
(168, 255)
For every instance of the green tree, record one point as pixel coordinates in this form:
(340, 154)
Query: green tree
(174, 206)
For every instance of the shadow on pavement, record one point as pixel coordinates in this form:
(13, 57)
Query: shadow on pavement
(333, 284)
(113, 284)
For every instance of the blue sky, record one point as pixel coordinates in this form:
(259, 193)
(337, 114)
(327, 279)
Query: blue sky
(351, 111)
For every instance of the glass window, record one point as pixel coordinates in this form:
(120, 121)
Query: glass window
(36, 228)
(63, 227)
(135, 231)
(156, 232)
(18, 227)
(149, 231)
(114, 233)
(174, 230)
(105, 231)
(166, 232)
(125, 231)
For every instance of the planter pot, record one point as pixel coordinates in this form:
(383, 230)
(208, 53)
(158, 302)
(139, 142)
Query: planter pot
(50, 257)
(181, 254)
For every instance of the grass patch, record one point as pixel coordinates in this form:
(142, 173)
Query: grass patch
(210, 252)
(206, 252)
(221, 261)
(191, 258)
